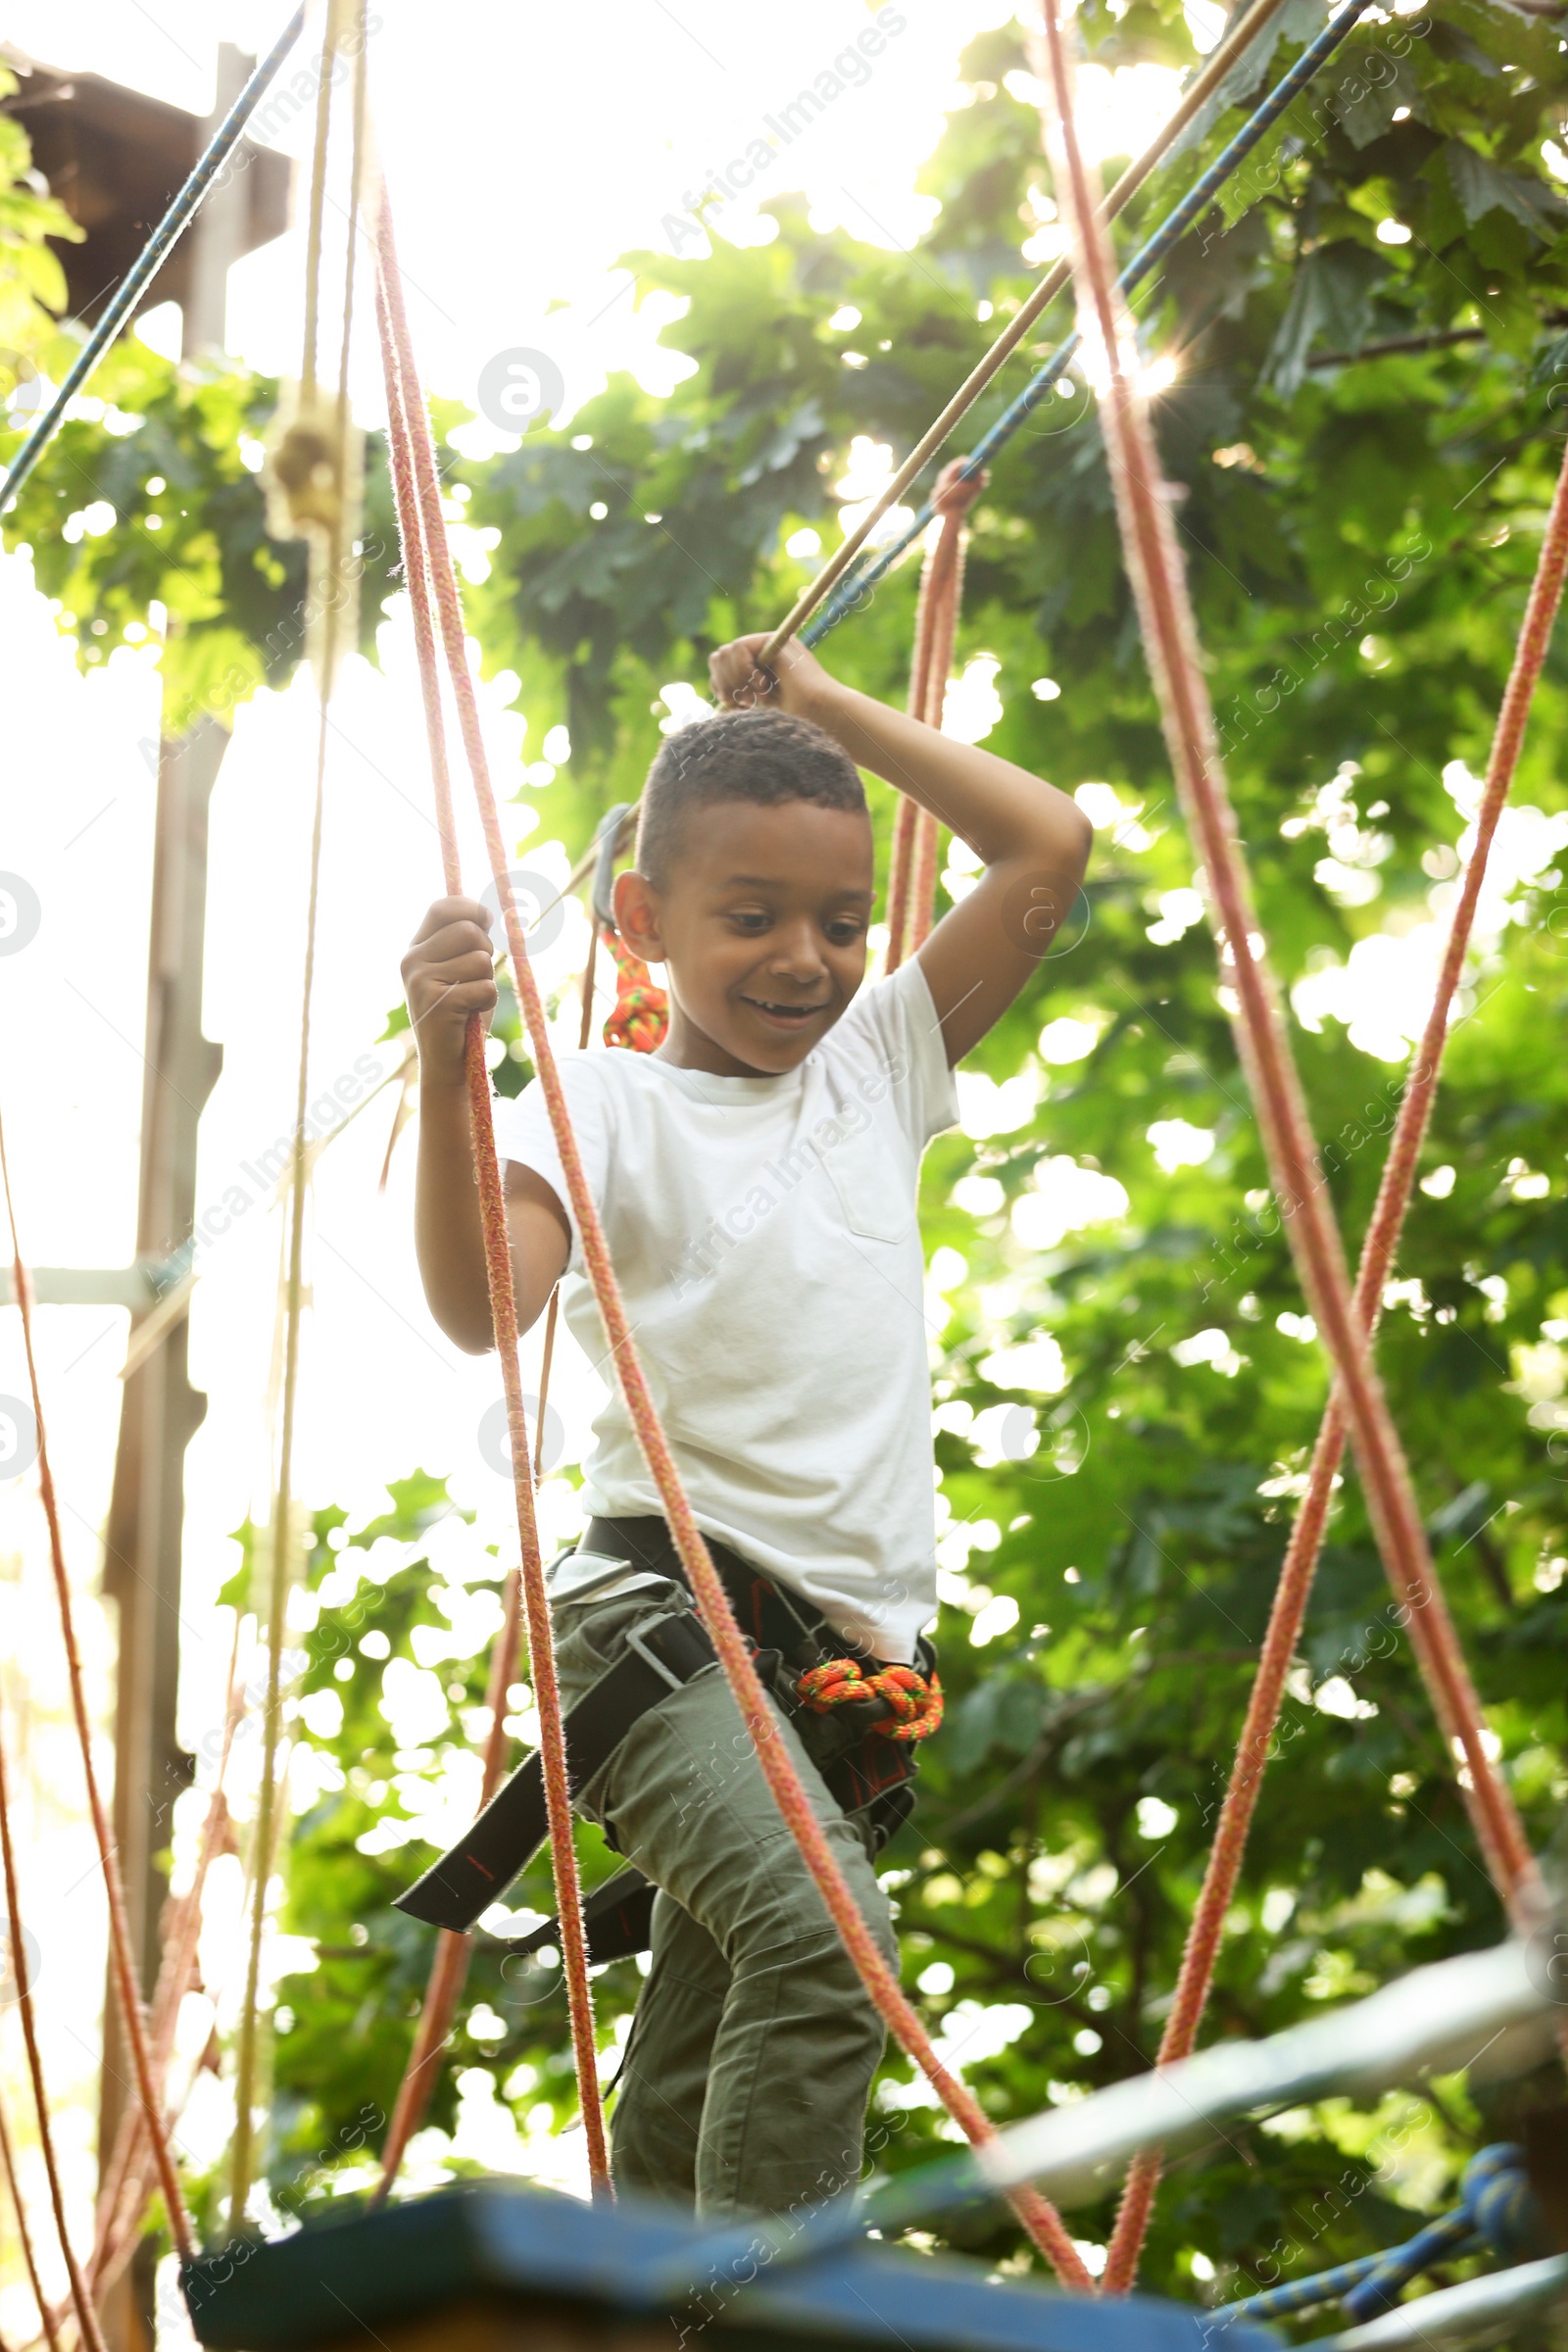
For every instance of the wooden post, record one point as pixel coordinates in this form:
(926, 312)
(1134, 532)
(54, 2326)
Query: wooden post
(160, 1411)
(160, 1414)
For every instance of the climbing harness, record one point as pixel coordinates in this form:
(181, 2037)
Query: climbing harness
(791, 1644)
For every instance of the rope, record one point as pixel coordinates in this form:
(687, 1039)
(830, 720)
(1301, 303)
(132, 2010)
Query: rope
(333, 538)
(1171, 646)
(449, 1968)
(121, 1965)
(1040, 2218)
(912, 876)
(917, 1704)
(1213, 72)
(640, 1020)
(8, 2160)
(548, 1353)
(1377, 1259)
(1327, 2287)
(432, 588)
(1497, 2213)
(80, 2295)
(1149, 256)
(856, 590)
(151, 256)
(929, 659)
(126, 2166)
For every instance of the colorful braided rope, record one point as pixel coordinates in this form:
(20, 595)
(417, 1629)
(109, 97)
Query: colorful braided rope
(640, 1020)
(916, 1703)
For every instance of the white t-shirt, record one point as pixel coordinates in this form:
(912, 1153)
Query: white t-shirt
(766, 1237)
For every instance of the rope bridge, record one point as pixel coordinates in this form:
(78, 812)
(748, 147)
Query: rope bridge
(1358, 1411)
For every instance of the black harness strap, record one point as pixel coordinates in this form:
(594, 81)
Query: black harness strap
(875, 1776)
(477, 1871)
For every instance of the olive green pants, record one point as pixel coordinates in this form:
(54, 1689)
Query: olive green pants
(744, 2084)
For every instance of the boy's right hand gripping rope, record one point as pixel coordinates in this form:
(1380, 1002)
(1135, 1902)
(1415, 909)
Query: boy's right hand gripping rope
(916, 1703)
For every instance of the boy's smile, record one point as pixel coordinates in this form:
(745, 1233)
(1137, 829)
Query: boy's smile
(762, 928)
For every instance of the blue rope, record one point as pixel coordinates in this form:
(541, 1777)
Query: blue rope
(1497, 2213)
(852, 590)
(1333, 2287)
(152, 256)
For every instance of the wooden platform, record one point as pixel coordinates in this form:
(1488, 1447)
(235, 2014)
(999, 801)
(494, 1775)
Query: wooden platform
(490, 2266)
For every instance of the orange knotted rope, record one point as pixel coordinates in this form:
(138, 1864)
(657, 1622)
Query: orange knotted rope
(1376, 1260)
(424, 553)
(913, 867)
(1170, 640)
(1039, 2217)
(916, 1703)
(641, 1016)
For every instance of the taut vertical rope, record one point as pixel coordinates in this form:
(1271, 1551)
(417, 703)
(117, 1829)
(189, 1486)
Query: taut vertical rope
(552, 1315)
(424, 554)
(1039, 2217)
(338, 12)
(8, 2164)
(122, 1963)
(913, 869)
(1377, 1259)
(80, 2293)
(128, 2165)
(1153, 564)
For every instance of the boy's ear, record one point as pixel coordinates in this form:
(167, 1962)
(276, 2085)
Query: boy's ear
(635, 903)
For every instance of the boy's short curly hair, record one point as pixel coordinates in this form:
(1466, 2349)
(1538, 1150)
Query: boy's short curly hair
(766, 757)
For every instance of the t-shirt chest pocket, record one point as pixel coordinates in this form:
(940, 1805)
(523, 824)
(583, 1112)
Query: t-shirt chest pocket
(872, 1185)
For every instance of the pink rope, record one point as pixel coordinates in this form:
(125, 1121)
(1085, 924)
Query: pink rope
(80, 2294)
(127, 2180)
(1377, 1259)
(8, 2164)
(1039, 2217)
(1170, 639)
(122, 1967)
(425, 555)
(913, 872)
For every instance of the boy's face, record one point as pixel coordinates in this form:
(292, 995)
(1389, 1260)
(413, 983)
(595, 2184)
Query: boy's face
(762, 929)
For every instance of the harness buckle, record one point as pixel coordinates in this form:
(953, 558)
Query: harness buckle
(637, 1640)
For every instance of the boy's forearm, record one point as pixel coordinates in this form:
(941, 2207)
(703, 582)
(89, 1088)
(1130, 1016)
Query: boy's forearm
(1001, 810)
(448, 1235)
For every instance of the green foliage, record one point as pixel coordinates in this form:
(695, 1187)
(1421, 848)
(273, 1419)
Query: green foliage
(343, 2033)
(33, 284)
(149, 495)
(1126, 1390)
